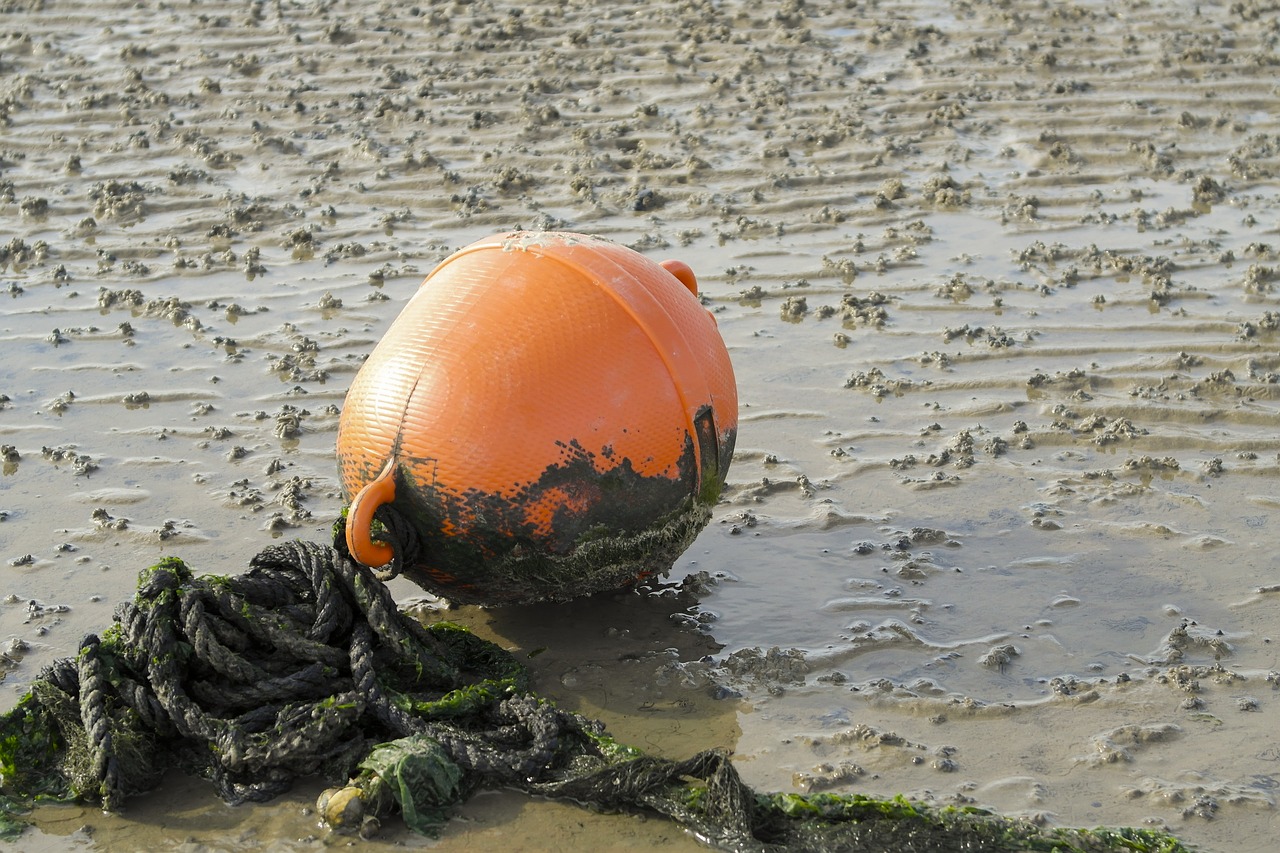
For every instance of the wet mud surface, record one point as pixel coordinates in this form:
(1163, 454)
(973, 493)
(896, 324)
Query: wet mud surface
(999, 283)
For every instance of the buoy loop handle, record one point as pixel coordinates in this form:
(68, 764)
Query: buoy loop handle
(683, 273)
(377, 492)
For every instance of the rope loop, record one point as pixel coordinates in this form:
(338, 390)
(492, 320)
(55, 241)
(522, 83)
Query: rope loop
(403, 539)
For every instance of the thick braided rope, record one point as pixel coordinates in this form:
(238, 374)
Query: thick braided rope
(93, 714)
(283, 672)
(162, 685)
(406, 546)
(208, 648)
(520, 741)
(154, 646)
(365, 675)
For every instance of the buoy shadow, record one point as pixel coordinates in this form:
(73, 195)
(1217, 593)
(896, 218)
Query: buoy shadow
(634, 660)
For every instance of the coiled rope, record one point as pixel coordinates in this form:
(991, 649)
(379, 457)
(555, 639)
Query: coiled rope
(303, 666)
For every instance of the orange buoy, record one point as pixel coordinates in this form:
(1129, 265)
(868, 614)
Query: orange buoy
(551, 415)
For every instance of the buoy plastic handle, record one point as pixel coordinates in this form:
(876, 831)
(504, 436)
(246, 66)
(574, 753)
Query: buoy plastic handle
(683, 273)
(381, 490)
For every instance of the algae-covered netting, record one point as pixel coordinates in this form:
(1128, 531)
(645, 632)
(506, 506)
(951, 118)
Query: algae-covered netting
(303, 666)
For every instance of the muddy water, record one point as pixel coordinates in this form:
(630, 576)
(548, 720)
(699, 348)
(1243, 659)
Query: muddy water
(999, 284)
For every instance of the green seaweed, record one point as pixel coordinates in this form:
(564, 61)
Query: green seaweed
(30, 748)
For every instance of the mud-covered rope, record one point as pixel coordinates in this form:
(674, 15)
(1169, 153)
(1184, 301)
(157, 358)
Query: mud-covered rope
(402, 536)
(303, 666)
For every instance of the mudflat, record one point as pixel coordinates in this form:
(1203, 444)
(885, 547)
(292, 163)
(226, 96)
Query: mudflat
(999, 285)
